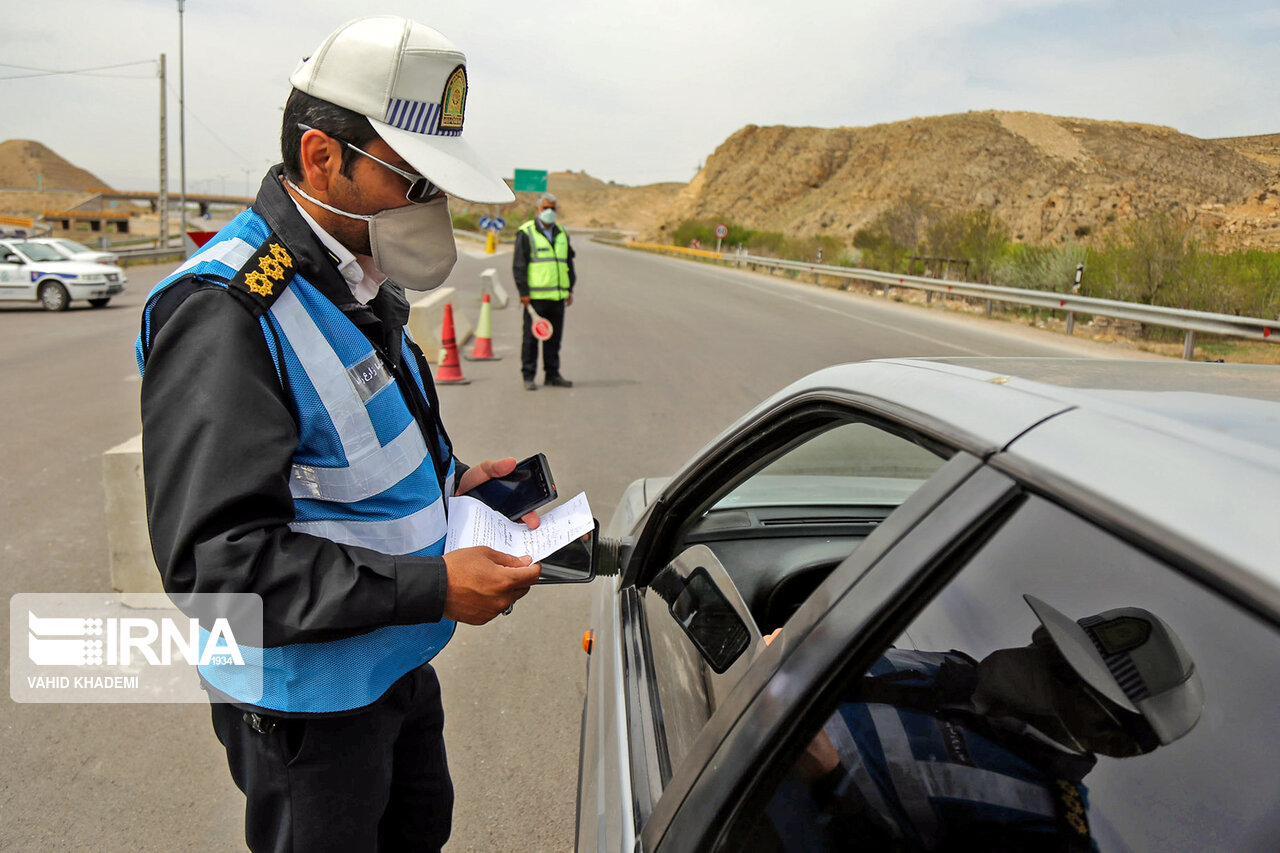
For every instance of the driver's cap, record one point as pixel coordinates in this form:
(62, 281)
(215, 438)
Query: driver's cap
(1134, 659)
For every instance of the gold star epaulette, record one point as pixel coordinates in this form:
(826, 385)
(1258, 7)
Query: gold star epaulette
(266, 274)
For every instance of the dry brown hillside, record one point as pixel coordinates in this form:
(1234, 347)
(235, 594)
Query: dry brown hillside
(29, 165)
(588, 202)
(34, 179)
(1050, 178)
(1264, 148)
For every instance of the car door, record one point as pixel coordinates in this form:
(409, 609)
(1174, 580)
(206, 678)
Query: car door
(944, 514)
(999, 579)
(781, 501)
(15, 274)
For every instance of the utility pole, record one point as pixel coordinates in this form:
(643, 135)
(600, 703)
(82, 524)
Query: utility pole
(162, 205)
(182, 123)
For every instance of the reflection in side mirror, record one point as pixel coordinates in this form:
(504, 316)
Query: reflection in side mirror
(710, 621)
(575, 562)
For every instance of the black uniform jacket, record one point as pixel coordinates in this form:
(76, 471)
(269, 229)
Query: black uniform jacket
(520, 260)
(218, 436)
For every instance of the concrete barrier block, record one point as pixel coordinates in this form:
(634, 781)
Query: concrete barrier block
(133, 569)
(490, 284)
(426, 319)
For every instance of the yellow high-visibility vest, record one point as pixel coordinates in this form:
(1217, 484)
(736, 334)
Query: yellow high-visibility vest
(548, 271)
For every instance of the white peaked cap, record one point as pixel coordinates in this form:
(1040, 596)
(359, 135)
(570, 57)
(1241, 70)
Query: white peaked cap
(411, 83)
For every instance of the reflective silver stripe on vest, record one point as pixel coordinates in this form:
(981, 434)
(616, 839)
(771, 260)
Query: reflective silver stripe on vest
(365, 477)
(957, 781)
(329, 376)
(551, 260)
(392, 536)
(234, 253)
(901, 765)
(865, 790)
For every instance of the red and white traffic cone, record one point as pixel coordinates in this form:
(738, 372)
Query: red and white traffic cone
(483, 349)
(450, 372)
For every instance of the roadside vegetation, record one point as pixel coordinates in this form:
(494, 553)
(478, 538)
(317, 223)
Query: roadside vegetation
(469, 220)
(773, 244)
(1156, 260)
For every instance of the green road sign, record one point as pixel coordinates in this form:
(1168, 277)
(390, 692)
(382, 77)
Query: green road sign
(531, 181)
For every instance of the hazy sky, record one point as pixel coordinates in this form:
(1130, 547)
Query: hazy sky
(634, 92)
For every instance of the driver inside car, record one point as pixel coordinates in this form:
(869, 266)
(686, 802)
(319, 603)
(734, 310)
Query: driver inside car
(939, 751)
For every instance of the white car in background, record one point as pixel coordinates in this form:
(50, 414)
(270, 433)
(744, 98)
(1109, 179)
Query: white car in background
(34, 271)
(74, 251)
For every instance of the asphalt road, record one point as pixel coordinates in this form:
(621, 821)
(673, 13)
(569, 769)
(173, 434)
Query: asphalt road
(663, 353)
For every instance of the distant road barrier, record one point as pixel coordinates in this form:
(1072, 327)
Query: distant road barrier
(675, 250)
(1252, 328)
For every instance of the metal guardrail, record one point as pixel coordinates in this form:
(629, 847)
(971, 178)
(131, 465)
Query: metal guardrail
(1252, 328)
(149, 254)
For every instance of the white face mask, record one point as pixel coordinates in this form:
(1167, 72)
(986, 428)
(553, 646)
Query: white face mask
(548, 216)
(412, 245)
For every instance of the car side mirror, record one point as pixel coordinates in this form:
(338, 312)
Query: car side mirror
(710, 622)
(12, 259)
(703, 601)
(574, 563)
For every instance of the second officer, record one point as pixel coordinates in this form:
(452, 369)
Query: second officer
(543, 271)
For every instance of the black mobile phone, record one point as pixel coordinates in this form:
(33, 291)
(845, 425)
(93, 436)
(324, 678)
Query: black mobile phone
(526, 488)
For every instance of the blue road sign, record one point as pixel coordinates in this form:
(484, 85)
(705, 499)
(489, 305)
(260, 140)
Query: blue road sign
(485, 223)
(499, 223)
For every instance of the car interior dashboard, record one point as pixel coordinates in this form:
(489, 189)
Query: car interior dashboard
(778, 555)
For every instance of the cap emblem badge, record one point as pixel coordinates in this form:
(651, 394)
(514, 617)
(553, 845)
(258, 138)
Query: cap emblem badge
(454, 100)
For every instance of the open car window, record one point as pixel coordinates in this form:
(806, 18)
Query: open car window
(785, 525)
(852, 464)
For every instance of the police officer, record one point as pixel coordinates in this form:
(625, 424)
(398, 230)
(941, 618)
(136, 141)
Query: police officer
(542, 266)
(293, 447)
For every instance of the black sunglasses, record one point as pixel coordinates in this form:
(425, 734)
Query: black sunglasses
(420, 189)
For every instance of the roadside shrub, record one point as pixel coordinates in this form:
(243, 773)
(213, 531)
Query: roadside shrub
(898, 232)
(912, 226)
(466, 221)
(1041, 267)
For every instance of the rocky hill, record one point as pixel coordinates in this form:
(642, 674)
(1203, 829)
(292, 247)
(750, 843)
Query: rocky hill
(1050, 178)
(588, 202)
(34, 179)
(29, 165)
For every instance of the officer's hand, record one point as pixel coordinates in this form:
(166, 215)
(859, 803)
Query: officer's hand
(524, 300)
(568, 301)
(483, 582)
(487, 470)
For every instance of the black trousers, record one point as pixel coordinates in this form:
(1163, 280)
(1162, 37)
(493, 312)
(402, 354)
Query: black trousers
(376, 780)
(553, 310)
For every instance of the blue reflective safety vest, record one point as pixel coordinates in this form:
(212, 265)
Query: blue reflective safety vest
(931, 780)
(361, 475)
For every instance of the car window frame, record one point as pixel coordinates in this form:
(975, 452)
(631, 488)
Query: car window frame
(869, 598)
(764, 441)
(754, 442)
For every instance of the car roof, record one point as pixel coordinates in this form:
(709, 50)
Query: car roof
(1183, 454)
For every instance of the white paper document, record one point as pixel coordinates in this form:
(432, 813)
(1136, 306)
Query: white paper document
(474, 523)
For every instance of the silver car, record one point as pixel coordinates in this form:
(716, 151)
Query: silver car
(949, 605)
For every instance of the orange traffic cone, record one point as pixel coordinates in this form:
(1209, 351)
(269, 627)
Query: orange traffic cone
(483, 350)
(450, 372)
